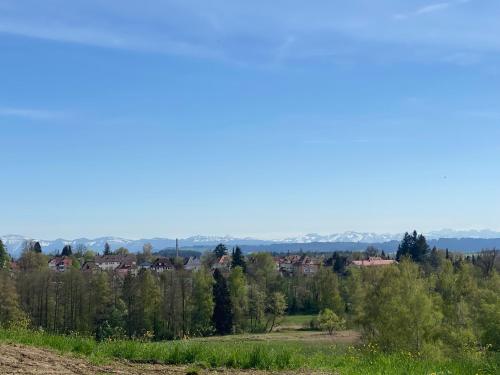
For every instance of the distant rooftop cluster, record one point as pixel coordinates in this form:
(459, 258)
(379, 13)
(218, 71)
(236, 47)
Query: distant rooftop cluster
(123, 264)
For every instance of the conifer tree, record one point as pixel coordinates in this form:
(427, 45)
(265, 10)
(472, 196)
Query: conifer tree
(413, 246)
(66, 251)
(107, 249)
(421, 250)
(220, 250)
(222, 316)
(238, 259)
(404, 248)
(339, 262)
(37, 248)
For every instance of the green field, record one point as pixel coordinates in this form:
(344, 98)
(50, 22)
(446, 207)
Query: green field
(275, 351)
(296, 321)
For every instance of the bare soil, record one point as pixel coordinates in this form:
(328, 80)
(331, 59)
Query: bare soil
(21, 359)
(341, 337)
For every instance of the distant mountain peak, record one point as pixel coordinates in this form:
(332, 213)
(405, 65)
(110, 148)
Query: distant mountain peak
(15, 242)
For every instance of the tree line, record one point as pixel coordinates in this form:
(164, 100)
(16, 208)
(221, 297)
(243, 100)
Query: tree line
(431, 299)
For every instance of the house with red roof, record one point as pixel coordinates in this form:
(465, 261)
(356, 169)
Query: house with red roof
(60, 264)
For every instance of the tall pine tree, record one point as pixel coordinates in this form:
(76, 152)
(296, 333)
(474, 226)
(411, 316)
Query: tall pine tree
(413, 246)
(222, 316)
(107, 249)
(220, 250)
(37, 248)
(421, 250)
(238, 259)
(66, 251)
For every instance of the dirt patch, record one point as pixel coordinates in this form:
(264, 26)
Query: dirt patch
(21, 359)
(341, 337)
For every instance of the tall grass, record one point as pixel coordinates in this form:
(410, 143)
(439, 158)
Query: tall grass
(273, 355)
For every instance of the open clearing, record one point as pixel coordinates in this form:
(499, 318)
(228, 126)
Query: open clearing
(21, 359)
(304, 337)
(285, 352)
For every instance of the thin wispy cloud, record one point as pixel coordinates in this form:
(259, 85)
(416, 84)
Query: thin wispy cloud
(430, 8)
(31, 114)
(261, 33)
(107, 39)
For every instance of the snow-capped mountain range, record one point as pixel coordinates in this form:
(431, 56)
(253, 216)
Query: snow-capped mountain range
(15, 243)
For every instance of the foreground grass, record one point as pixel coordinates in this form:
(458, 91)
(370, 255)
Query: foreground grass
(266, 355)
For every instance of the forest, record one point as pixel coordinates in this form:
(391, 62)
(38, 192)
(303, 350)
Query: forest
(431, 301)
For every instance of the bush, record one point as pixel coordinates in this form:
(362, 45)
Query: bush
(329, 321)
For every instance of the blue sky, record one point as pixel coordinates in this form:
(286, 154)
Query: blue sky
(267, 119)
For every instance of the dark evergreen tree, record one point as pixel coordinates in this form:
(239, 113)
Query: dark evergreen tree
(421, 249)
(339, 263)
(37, 248)
(107, 249)
(220, 250)
(382, 254)
(222, 316)
(66, 251)
(371, 251)
(238, 259)
(413, 246)
(404, 248)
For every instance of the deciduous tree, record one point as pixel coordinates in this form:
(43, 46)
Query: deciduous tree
(4, 257)
(239, 298)
(330, 321)
(10, 309)
(202, 303)
(276, 308)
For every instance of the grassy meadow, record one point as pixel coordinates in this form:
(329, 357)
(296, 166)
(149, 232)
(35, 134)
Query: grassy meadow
(296, 321)
(276, 351)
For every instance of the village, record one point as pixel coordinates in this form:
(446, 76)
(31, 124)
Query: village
(123, 264)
